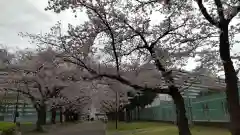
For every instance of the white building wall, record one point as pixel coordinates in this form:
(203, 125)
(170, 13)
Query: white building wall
(159, 98)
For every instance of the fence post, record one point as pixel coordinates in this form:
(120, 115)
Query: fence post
(174, 114)
(189, 108)
(190, 111)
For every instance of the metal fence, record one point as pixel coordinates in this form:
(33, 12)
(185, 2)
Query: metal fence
(27, 112)
(212, 108)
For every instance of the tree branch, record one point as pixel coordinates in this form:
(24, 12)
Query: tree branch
(218, 3)
(105, 22)
(135, 49)
(169, 29)
(206, 14)
(28, 94)
(234, 12)
(139, 33)
(120, 79)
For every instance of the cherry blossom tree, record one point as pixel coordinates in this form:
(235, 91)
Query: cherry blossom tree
(37, 78)
(219, 54)
(136, 75)
(115, 99)
(220, 15)
(46, 81)
(125, 33)
(73, 102)
(6, 57)
(110, 105)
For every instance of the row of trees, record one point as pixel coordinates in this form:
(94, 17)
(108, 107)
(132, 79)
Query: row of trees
(127, 32)
(140, 53)
(50, 84)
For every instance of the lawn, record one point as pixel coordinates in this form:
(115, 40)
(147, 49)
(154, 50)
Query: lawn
(8, 128)
(6, 125)
(123, 126)
(156, 128)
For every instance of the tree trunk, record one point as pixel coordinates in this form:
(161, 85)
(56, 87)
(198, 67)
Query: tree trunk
(71, 116)
(41, 118)
(138, 113)
(75, 117)
(53, 117)
(131, 115)
(61, 115)
(182, 121)
(231, 80)
(127, 115)
(66, 114)
(45, 117)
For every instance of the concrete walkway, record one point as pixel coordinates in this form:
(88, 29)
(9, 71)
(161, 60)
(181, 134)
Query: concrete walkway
(86, 128)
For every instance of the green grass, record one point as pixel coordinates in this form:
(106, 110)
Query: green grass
(10, 127)
(25, 126)
(6, 125)
(155, 128)
(123, 126)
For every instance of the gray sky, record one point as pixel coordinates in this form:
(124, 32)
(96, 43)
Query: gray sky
(28, 16)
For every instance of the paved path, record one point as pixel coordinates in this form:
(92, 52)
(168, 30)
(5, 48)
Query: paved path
(86, 128)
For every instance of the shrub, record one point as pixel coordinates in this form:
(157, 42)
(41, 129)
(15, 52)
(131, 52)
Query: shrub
(7, 128)
(10, 131)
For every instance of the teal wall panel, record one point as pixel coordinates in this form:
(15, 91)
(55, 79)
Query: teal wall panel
(210, 108)
(27, 113)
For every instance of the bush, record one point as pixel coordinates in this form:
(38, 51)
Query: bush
(10, 131)
(7, 128)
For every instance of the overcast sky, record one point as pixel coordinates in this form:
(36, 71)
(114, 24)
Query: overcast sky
(28, 16)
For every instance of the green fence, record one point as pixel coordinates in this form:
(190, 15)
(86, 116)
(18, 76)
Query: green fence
(211, 108)
(27, 112)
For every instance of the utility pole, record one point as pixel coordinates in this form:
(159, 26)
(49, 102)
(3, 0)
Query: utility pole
(116, 113)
